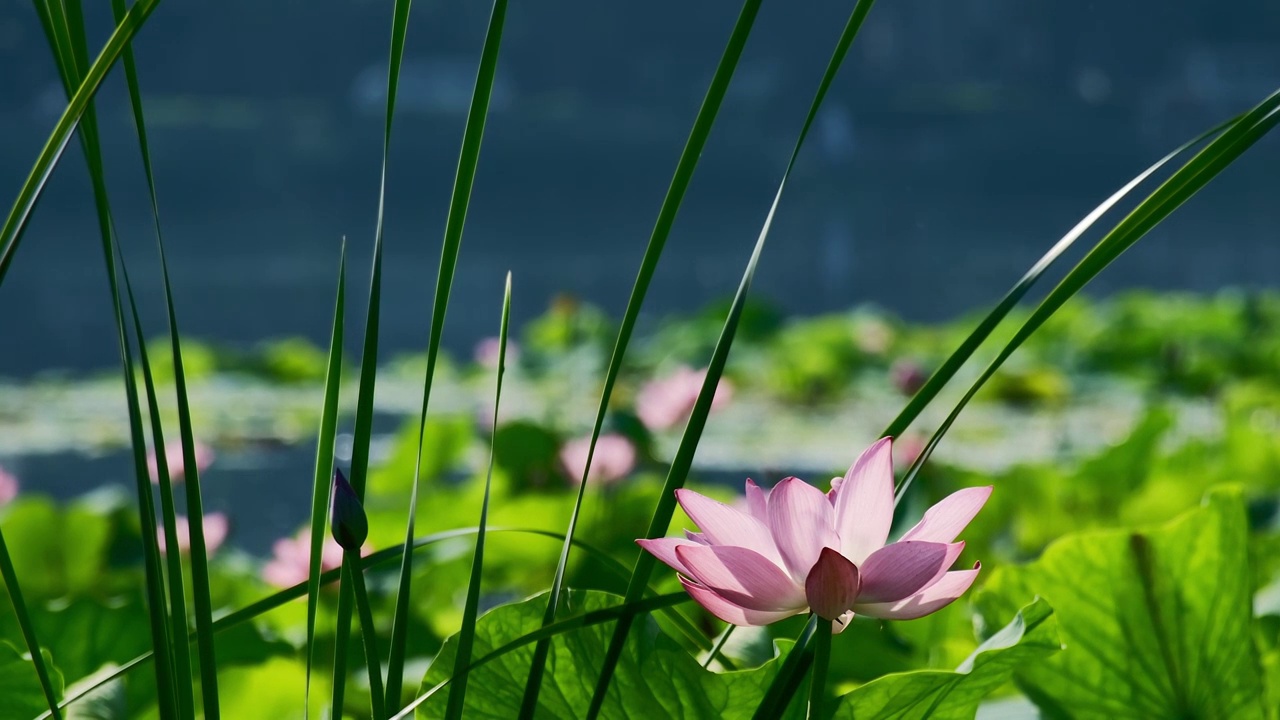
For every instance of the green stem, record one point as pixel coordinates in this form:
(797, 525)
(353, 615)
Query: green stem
(352, 573)
(790, 675)
(821, 659)
(715, 650)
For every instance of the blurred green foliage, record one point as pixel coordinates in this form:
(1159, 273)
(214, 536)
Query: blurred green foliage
(83, 580)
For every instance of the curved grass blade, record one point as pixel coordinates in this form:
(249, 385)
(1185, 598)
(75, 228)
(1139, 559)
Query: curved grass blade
(28, 629)
(15, 224)
(368, 562)
(784, 685)
(957, 359)
(168, 511)
(65, 30)
(368, 363)
(697, 421)
(547, 632)
(324, 463)
(670, 208)
(1239, 136)
(464, 180)
(157, 606)
(471, 610)
(194, 499)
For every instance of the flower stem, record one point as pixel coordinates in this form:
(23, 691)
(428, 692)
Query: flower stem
(352, 572)
(724, 638)
(791, 673)
(818, 682)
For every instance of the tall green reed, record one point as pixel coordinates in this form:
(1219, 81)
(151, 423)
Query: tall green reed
(63, 24)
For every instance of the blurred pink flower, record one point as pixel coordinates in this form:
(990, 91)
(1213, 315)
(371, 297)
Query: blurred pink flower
(797, 549)
(173, 459)
(873, 337)
(215, 531)
(664, 402)
(290, 563)
(908, 376)
(907, 449)
(615, 458)
(9, 487)
(486, 352)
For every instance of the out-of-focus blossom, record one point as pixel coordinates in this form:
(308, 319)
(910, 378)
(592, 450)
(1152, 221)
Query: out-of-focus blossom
(907, 449)
(9, 486)
(797, 549)
(290, 563)
(173, 459)
(908, 376)
(664, 402)
(615, 458)
(215, 532)
(873, 337)
(487, 350)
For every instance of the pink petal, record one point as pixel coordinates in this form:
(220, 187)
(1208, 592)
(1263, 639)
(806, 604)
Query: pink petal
(800, 518)
(727, 611)
(724, 525)
(832, 585)
(743, 577)
(864, 503)
(757, 501)
(215, 531)
(665, 550)
(944, 521)
(839, 624)
(903, 568)
(931, 599)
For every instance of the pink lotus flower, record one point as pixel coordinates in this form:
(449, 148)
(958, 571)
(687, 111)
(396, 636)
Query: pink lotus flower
(215, 531)
(173, 459)
(908, 376)
(486, 352)
(291, 561)
(8, 487)
(615, 458)
(665, 402)
(798, 549)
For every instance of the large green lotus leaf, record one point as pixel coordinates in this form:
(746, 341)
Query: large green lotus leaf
(85, 633)
(947, 695)
(654, 679)
(273, 689)
(1155, 624)
(51, 564)
(21, 697)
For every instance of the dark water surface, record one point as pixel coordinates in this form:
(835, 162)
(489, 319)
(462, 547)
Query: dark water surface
(959, 142)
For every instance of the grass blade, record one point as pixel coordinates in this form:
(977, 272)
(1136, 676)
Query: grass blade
(381, 557)
(1239, 136)
(470, 611)
(64, 27)
(194, 499)
(697, 421)
(363, 432)
(464, 180)
(28, 629)
(324, 464)
(670, 208)
(957, 359)
(15, 224)
(173, 558)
